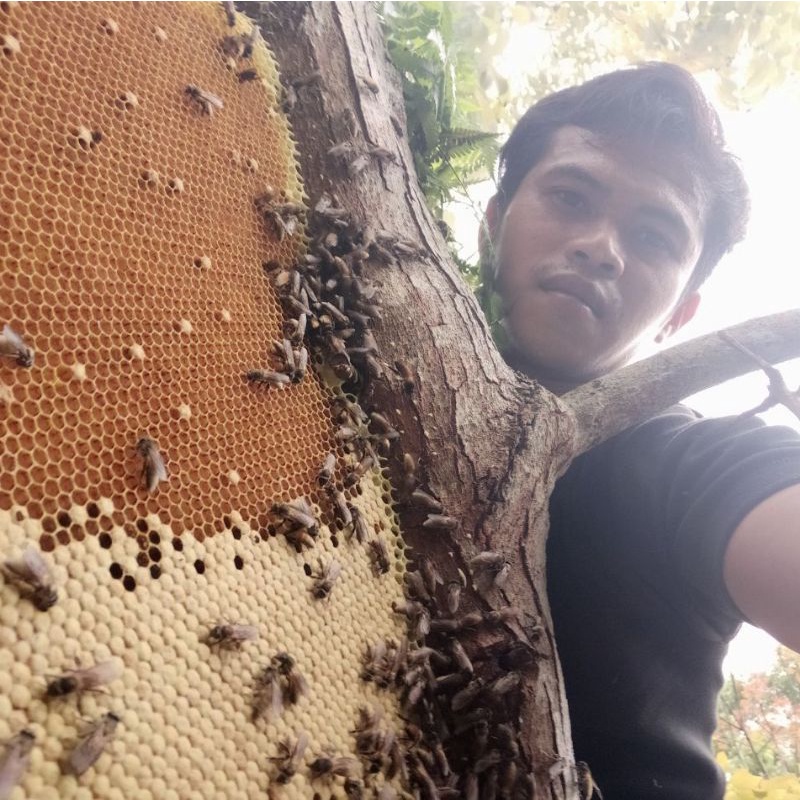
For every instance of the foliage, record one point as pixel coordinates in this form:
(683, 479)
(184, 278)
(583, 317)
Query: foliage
(758, 732)
(427, 45)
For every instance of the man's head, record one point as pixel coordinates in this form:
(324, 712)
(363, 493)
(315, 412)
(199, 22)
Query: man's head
(616, 200)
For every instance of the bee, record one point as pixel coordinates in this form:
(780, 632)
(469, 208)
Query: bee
(406, 374)
(14, 761)
(426, 501)
(342, 508)
(440, 521)
(326, 472)
(397, 125)
(32, 575)
(430, 574)
(249, 41)
(360, 527)
(284, 217)
(508, 778)
(369, 83)
(295, 684)
(153, 468)
(267, 695)
(460, 656)
(382, 154)
(409, 472)
(327, 766)
(454, 589)
(342, 150)
(262, 378)
(355, 475)
(231, 637)
(13, 347)
(467, 696)
(353, 789)
(247, 75)
(586, 785)
(307, 80)
(504, 684)
(300, 513)
(416, 587)
(230, 12)
(380, 556)
(489, 569)
(78, 681)
(92, 744)
(325, 579)
(301, 366)
(206, 101)
(290, 757)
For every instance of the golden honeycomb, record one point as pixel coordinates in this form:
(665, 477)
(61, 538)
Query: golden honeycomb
(132, 262)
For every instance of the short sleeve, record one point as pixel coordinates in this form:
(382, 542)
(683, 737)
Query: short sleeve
(685, 483)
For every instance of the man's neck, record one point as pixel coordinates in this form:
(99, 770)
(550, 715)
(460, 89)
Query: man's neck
(552, 383)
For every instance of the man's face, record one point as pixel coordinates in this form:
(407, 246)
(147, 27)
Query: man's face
(594, 251)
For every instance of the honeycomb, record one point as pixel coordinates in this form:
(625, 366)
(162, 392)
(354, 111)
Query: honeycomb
(132, 262)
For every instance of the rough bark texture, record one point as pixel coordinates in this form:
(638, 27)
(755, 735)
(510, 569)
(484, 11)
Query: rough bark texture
(490, 443)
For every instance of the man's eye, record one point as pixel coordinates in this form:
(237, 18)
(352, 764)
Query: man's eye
(570, 198)
(652, 239)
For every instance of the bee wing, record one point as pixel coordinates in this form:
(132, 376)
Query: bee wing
(333, 570)
(300, 746)
(91, 747)
(244, 633)
(36, 566)
(213, 100)
(10, 342)
(99, 675)
(14, 761)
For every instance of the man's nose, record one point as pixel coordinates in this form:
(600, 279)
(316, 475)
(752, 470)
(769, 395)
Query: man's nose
(597, 250)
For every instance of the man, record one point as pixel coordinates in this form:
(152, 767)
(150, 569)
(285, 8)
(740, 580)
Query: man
(616, 200)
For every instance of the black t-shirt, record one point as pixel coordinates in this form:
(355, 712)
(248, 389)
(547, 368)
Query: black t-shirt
(638, 532)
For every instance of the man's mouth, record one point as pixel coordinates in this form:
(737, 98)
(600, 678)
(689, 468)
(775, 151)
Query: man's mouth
(578, 288)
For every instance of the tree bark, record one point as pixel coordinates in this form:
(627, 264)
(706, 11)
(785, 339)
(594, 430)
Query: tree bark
(489, 443)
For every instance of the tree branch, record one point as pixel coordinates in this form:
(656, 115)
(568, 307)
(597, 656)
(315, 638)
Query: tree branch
(613, 403)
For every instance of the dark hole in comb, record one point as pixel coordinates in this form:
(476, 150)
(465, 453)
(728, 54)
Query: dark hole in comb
(116, 570)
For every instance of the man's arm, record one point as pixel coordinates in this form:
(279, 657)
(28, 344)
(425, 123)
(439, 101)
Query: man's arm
(762, 566)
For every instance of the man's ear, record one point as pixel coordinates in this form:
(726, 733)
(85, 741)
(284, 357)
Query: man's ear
(683, 313)
(491, 223)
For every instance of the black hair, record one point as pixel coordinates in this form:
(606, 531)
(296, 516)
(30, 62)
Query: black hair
(657, 105)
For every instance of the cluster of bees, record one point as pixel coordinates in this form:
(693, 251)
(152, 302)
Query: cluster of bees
(465, 741)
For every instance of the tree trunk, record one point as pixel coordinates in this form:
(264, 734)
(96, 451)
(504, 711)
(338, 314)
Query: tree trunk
(489, 443)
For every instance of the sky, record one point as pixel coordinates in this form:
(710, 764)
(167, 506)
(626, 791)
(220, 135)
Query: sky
(761, 276)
